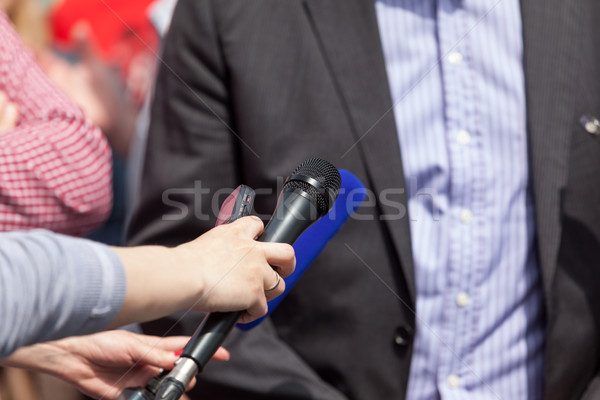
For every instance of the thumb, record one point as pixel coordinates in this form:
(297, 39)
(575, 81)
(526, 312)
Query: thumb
(221, 354)
(251, 226)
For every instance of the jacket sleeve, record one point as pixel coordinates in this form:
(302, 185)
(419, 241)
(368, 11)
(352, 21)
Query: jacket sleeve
(55, 166)
(53, 286)
(190, 159)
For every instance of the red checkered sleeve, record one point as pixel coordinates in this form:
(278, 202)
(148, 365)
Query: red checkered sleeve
(55, 166)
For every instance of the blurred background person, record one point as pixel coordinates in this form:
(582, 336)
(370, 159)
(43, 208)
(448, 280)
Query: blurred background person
(56, 165)
(105, 68)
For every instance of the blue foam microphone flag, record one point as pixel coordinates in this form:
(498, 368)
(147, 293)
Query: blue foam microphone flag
(310, 244)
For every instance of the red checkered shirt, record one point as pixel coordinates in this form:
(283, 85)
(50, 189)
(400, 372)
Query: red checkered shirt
(55, 166)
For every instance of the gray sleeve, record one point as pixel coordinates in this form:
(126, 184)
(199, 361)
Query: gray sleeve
(52, 286)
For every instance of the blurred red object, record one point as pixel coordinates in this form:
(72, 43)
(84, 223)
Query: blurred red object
(120, 29)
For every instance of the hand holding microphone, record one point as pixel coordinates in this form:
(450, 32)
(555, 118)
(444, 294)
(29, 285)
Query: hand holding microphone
(225, 269)
(307, 195)
(310, 244)
(237, 274)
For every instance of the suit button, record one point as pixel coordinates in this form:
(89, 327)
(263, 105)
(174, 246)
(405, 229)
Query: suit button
(590, 124)
(403, 336)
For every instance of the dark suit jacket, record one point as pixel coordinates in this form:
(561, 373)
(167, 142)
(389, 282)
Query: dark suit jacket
(250, 88)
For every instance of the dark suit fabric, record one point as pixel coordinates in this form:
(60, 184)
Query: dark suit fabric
(249, 89)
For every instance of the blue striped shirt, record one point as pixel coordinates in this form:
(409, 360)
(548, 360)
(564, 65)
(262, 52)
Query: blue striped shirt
(455, 69)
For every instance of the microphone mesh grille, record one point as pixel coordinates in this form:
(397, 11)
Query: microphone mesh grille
(323, 172)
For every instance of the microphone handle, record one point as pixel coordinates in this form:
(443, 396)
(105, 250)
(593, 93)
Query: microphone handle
(209, 336)
(135, 394)
(294, 213)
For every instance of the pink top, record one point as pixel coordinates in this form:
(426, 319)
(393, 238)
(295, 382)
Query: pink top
(55, 165)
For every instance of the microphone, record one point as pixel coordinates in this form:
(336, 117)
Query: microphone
(310, 244)
(307, 195)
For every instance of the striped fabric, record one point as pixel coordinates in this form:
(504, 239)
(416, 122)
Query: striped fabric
(55, 168)
(456, 76)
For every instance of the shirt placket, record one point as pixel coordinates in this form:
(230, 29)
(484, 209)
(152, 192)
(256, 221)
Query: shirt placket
(464, 153)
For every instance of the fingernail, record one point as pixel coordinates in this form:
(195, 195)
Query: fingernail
(178, 352)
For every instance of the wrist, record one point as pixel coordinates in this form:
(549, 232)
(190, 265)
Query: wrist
(190, 268)
(49, 358)
(155, 285)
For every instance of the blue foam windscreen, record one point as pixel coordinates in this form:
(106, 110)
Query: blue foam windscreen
(310, 244)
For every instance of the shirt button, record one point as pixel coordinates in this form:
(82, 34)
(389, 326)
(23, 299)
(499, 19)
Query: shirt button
(462, 299)
(466, 216)
(463, 137)
(402, 336)
(455, 58)
(400, 340)
(453, 381)
(591, 124)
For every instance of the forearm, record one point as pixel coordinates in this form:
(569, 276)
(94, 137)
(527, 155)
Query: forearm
(61, 186)
(225, 269)
(54, 286)
(155, 287)
(41, 357)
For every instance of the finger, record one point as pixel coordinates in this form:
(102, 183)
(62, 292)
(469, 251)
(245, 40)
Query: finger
(3, 101)
(188, 388)
(11, 115)
(142, 375)
(153, 355)
(257, 310)
(251, 226)
(276, 289)
(5, 113)
(109, 385)
(272, 283)
(98, 390)
(111, 388)
(4, 125)
(221, 355)
(281, 256)
(168, 343)
(8, 118)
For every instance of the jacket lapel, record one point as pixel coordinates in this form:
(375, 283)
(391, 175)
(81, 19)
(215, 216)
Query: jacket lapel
(550, 31)
(358, 71)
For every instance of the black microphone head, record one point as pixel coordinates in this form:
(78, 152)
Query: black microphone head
(318, 178)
